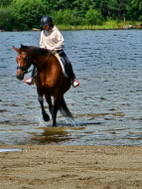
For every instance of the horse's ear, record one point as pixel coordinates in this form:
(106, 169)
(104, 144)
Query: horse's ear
(23, 47)
(26, 48)
(16, 49)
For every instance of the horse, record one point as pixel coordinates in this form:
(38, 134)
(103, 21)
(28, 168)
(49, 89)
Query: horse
(50, 79)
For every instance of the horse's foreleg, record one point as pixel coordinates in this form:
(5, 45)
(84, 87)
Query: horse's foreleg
(44, 114)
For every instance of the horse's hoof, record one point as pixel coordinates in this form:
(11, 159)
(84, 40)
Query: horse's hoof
(46, 118)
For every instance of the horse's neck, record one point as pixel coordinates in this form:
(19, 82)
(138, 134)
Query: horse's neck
(39, 60)
(46, 64)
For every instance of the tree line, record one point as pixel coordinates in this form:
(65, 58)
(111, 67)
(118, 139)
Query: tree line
(26, 14)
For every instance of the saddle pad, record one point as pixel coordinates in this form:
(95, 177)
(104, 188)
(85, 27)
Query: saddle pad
(61, 63)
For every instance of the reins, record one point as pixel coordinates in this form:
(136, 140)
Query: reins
(44, 61)
(25, 69)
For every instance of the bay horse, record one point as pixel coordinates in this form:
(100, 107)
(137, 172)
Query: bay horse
(50, 80)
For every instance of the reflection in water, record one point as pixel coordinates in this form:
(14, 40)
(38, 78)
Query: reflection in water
(64, 133)
(51, 135)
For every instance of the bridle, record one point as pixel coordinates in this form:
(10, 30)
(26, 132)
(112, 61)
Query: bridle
(25, 69)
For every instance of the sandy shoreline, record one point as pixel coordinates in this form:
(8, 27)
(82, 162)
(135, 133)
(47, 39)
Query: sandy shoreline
(54, 166)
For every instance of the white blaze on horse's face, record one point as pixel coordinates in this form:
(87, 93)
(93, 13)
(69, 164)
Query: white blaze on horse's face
(22, 63)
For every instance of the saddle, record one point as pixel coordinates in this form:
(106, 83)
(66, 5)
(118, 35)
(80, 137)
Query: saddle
(63, 63)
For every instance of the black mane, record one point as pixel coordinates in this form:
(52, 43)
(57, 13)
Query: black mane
(36, 50)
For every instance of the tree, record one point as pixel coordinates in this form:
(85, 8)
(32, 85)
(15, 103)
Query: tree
(117, 8)
(6, 18)
(104, 8)
(94, 17)
(28, 13)
(66, 17)
(134, 9)
(5, 3)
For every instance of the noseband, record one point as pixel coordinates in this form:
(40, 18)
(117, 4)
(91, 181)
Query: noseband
(25, 69)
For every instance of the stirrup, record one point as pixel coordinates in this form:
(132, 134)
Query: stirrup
(75, 83)
(29, 81)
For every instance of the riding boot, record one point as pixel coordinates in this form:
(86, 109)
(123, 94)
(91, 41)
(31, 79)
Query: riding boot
(69, 69)
(30, 80)
(71, 74)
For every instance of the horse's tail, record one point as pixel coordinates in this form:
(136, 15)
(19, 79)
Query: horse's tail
(64, 109)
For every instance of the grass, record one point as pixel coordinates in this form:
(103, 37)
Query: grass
(108, 25)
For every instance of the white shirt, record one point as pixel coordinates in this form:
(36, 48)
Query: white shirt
(52, 39)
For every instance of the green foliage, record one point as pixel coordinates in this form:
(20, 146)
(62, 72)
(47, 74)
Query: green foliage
(83, 6)
(67, 17)
(94, 17)
(134, 9)
(104, 8)
(140, 19)
(117, 8)
(26, 14)
(6, 18)
(5, 3)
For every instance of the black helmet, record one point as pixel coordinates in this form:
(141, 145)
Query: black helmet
(45, 20)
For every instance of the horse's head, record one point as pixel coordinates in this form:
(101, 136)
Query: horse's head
(22, 61)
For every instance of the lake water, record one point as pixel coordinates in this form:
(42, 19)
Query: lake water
(107, 106)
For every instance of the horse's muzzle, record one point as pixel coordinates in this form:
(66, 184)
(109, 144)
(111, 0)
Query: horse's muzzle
(20, 76)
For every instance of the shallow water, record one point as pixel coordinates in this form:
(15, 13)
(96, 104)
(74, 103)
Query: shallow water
(107, 107)
(10, 150)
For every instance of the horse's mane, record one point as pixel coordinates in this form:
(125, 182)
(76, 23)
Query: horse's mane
(37, 50)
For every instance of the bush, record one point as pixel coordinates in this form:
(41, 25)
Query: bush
(93, 17)
(140, 18)
(28, 14)
(67, 17)
(6, 18)
(5, 3)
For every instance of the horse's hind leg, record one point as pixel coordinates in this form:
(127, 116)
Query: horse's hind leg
(55, 109)
(48, 99)
(44, 114)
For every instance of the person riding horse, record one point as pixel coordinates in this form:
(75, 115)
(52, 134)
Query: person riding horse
(52, 39)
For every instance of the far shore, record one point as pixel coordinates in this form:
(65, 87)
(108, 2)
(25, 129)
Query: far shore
(111, 25)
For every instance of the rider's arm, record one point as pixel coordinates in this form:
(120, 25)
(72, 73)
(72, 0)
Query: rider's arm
(59, 45)
(41, 41)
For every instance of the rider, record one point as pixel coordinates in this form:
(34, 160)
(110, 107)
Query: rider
(52, 39)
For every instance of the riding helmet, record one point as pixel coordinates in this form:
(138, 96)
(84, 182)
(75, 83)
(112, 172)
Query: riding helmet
(45, 20)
